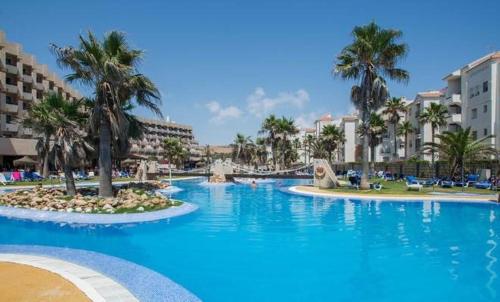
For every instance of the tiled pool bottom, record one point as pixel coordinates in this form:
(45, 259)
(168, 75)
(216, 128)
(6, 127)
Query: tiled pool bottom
(143, 283)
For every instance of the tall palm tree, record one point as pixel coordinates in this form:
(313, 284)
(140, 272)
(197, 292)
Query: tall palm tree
(42, 120)
(332, 137)
(174, 152)
(373, 55)
(436, 115)
(284, 130)
(270, 128)
(459, 148)
(261, 151)
(70, 147)
(318, 149)
(375, 134)
(109, 67)
(241, 147)
(308, 141)
(394, 108)
(405, 129)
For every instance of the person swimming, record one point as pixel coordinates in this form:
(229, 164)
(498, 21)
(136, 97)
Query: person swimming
(253, 184)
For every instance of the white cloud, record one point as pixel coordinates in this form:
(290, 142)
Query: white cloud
(259, 104)
(221, 114)
(306, 120)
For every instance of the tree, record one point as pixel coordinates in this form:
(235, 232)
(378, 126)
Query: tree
(331, 136)
(241, 147)
(42, 120)
(284, 129)
(174, 152)
(270, 128)
(109, 68)
(375, 133)
(393, 108)
(436, 115)
(318, 149)
(459, 148)
(308, 141)
(373, 55)
(405, 129)
(261, 150)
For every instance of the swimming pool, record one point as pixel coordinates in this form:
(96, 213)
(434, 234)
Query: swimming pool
(263, 244)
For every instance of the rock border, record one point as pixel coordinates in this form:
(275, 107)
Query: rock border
(145, 284)
(458, 199)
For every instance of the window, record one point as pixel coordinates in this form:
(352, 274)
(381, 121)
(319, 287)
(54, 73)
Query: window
(39, 78)
(10, 100)
(26, 88)
(485, 131)
(474, 113)
(51, 85)
(39, 94)
(26, 106)
(8, 119)
(417, 144)
(485, 86)
(485, 108)
(474, 135)
(10, 81)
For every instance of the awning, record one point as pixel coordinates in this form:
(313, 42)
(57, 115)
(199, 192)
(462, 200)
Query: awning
(25, 161)
(17, 146)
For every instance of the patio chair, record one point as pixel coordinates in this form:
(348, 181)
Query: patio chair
(482, 184)
(4, 180)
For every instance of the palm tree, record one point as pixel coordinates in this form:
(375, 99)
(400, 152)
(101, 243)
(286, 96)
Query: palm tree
(405, 129)
(174, 152)
(42, 120)
(109, 67)
(308, 141)
(436, 115)
(393, 108)
(241, 147)
(270, 128)
(284, 129)
(261, 151)
(375, 133)
(373, 55)
(459, 148)
(318, 149)
(331, 136)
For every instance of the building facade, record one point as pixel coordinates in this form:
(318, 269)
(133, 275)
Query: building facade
(473, 97)
(422, 133)
(156, 131)
(23, 81)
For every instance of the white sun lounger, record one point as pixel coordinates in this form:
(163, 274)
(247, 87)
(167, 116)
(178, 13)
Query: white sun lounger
(416, 187)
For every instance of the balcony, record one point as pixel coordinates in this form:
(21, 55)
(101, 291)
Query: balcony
(28, 96)
(39, 86)
(11, 69)
(455, 118)
(11, 88)
(28, 131)
(11, 127)
(27, 78)
(10, 108)
(454, 99)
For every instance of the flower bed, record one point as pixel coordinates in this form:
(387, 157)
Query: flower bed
(130, 198)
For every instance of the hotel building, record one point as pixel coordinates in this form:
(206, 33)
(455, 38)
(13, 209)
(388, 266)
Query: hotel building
(23, 81)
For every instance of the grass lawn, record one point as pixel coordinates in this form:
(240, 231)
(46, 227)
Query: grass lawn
(399, 188)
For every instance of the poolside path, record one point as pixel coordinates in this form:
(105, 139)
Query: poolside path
(314, 191)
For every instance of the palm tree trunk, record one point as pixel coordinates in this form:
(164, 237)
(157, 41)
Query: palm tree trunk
(432, 153)
(105, 185)
(70, 181)
(45, 169)
(395, 141)
(406, 146)
(364, 140)
(372, 158)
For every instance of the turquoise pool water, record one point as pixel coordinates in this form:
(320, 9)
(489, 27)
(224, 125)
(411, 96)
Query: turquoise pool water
(263, 244)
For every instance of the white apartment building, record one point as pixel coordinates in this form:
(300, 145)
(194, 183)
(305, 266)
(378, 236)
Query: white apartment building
(473, 97)
(422, 132)
(349, 151)
(23, 81)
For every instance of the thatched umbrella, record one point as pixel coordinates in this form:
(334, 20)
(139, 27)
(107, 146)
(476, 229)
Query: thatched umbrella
(129, 161)
(25, 161)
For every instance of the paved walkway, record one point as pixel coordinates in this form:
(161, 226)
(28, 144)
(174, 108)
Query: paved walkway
(94, 285)
(314, 191)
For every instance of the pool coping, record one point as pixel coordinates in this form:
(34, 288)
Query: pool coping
(144, 284)
(106, 219)
(401, 198)
(88, 281)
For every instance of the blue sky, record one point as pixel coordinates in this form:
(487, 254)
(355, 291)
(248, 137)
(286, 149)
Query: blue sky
(223, 65)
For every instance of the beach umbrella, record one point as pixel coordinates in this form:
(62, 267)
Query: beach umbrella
(129, 161)
(25, 161)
